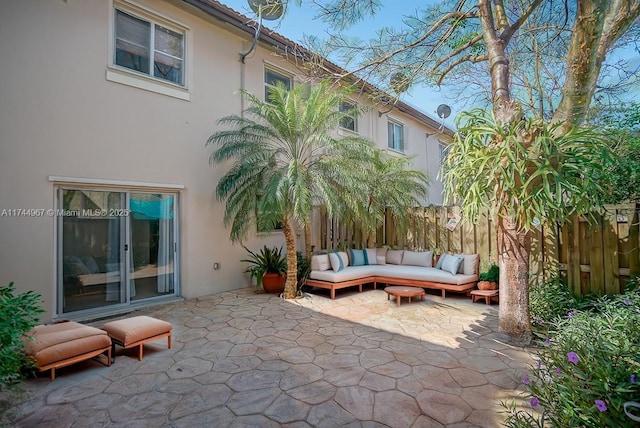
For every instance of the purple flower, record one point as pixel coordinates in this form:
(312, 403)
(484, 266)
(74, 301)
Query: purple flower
(626, 302)
(539, 363)
(558, 371)
(601, 406)
(632, 379)
(547, 340)
(539, 321)
(534, 402)
(573, 357)
(570, 315)
(525, 380)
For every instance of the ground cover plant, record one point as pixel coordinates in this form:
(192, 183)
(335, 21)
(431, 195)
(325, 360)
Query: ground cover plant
(18, 314)
(588, 363)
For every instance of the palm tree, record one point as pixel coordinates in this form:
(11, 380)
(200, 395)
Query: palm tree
(386, 185)
(285, 161)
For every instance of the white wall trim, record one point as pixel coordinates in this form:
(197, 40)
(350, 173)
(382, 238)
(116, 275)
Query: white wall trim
(116, 183)
(140, 81)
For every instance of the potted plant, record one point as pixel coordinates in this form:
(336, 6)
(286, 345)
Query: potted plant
(269, 267)
(489, 280)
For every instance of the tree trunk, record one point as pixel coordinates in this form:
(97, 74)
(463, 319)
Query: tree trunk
(599, 23)
(291, 286)
(514, 248)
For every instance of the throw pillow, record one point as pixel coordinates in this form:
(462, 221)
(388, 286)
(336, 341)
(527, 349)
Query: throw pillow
(370, 256)
(451, 264)
(357, 257)
(468, 266)
(336, 262)
(345, 258)
(440, 261)
(394, 257)
(381, 256)
(417, 258)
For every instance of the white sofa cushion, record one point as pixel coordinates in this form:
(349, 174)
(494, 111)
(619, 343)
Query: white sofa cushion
(417, 258)
(422, 274)
(353, 272)
(371, 258)
(394, 257)
(381, 256)
(320, 262)
(468, 266)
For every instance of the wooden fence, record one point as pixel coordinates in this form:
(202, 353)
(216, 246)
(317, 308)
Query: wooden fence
(598, 257)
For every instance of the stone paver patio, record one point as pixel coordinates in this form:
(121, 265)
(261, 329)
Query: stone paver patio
(245, 359)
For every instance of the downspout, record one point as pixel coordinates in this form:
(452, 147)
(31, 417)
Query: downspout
(243, 56)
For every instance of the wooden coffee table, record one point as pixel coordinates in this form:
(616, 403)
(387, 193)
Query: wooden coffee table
(401, 291)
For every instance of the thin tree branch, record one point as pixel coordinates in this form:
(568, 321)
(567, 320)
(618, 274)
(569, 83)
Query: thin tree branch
(468, 58)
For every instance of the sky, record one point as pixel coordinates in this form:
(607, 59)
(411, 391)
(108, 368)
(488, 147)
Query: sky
(299, 22)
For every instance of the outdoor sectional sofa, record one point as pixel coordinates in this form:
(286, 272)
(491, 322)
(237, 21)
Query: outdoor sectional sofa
(453, 272)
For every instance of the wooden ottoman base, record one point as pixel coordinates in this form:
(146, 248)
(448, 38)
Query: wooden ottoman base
(137, 331)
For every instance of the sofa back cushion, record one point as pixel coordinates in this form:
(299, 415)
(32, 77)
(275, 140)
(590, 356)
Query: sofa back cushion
(357, 257)
(370, 256)
(381, 256)
(417, 258)
(394, 257)
(468, 266)
(320, 262)
(451, 264)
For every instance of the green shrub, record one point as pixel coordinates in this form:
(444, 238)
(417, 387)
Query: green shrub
(587, 369)
(550, 300)
(18, 315)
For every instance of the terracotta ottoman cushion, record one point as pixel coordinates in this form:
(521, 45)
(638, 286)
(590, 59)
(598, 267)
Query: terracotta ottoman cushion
(57, 345)
(138, 330)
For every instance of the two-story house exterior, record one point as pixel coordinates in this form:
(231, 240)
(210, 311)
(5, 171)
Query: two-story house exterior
(107, 198)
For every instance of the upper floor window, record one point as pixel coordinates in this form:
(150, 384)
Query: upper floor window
(350, 120)
(272, 78)
(149, 48)
(396, 136)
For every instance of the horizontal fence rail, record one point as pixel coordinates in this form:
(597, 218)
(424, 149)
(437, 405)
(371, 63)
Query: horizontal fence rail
(597, 257)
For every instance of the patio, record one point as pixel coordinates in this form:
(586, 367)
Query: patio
(245, 359)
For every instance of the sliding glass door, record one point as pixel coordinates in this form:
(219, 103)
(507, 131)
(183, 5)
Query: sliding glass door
(114, 248)
(152, 245)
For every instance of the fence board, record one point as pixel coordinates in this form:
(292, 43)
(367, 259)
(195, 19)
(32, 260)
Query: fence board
(610, 252)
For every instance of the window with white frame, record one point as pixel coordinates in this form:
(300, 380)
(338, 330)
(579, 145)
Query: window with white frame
(350, 119)
(149, 47)
(396, 136)
(272, 78)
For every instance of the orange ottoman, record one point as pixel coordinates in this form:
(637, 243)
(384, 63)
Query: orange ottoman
(137, 331)
(58, 345)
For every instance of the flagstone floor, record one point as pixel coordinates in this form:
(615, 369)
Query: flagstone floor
(243, 359)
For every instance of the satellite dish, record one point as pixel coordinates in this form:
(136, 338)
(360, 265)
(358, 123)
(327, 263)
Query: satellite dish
(399, 82)
(267, 9)
(443, 111)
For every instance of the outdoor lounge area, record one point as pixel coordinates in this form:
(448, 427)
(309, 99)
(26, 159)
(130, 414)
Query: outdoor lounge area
(246, 359)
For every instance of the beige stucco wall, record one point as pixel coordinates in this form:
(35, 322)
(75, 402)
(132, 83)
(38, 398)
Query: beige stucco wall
(61, 116)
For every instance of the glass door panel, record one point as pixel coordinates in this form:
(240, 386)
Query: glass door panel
(152, 255)
(92, 246)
